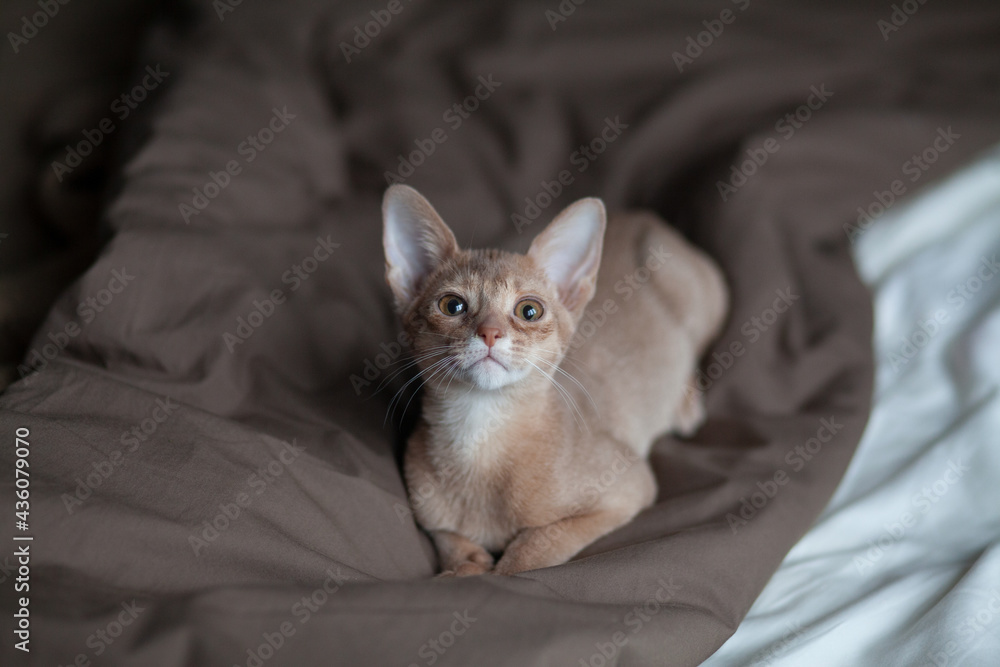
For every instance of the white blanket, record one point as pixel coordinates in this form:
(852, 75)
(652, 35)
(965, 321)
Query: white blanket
(903, 567)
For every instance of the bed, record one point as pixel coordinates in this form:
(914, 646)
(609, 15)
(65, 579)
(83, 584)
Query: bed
(902, 567)
(213, 477)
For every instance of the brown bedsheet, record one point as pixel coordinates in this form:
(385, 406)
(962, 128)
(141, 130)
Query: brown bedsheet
(211, 478)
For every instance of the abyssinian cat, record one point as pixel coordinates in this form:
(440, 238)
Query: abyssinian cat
(537, 418)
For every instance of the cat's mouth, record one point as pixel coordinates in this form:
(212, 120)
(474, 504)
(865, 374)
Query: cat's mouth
(488, 360)
(489, 372)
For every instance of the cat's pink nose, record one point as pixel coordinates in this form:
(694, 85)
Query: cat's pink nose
(489, 335)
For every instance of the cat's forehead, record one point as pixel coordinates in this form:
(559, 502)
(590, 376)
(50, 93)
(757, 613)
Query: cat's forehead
(493, 272)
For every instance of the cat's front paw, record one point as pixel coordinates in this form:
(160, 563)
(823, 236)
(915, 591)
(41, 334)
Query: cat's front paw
(514, 563)
(459, 556)
(466, 569)
(471, 569)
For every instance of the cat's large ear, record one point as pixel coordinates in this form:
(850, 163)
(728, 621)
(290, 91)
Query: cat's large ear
(416, 240)
(569, 251)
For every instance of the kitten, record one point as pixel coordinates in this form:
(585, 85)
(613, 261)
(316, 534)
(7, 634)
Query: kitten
(521, 447)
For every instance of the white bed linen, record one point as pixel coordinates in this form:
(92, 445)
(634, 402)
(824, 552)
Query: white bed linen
(903, 566)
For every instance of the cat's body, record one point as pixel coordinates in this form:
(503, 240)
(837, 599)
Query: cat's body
(502, 458)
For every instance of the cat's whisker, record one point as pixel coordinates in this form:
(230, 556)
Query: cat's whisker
(579, 367)
(562, 371)
(410, 353)
(565, 357)
(424, 354)
(444, 367)
(385, 382)
(398, 396)
(390, 411)
(414, 361)
(574, 409)
(445, 336)
(453, 373)
(557, 368)
(419, 373)
(582, 421)
(448, 370)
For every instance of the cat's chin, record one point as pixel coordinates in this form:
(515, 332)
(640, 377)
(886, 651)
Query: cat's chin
(489, 374)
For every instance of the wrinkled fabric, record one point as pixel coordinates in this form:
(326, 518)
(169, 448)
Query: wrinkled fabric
(263, 520)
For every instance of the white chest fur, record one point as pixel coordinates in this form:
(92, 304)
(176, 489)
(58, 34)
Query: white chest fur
(470, 425)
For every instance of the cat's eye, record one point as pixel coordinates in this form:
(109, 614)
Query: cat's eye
(528, 310)
(451, 305)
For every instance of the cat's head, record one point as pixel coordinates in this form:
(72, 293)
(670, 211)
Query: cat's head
(489, 318)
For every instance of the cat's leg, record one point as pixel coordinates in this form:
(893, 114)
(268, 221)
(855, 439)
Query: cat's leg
(556, 543)
(459, 556)
(690, 413)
